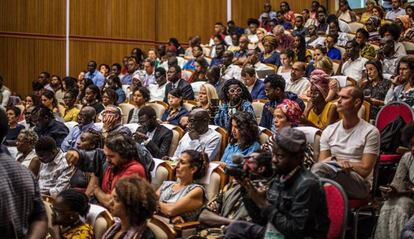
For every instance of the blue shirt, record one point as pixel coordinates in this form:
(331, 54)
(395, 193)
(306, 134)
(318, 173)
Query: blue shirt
(222, 118)
(272, 59)
(334, 53)
(70, 141)
(190, 65)
(127, 79)
(121, 95)
(216, 62)
(175, 119)
(232, 149)
(97, 78)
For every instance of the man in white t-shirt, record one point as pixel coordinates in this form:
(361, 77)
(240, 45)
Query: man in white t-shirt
(349, 148)
(298, 83)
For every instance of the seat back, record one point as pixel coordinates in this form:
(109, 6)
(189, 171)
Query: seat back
(264, 135)
(133, 127)
(125, 108)
(159, 107)
(178, 133)
(160, 228)
(224, 138)
(214, 181)
(71, 125)
(337, 203)
(409, 47)
(354, 26)
(391, 111)
(313, 136)
(258, 109)
(367, 112)
(188, 106)
(100, 219)
(163, 172)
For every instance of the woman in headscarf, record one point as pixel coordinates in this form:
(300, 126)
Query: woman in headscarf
(270, 55)
(319, 112)
(372, 25)
(405, 23)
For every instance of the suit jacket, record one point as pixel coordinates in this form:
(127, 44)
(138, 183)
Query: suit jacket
(258, 90)
(184, 86)
(160, 142)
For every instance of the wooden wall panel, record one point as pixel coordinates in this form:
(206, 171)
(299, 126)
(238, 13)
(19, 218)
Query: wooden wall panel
(185, 18)
(26, 58)
(44, 17)
(119, 19)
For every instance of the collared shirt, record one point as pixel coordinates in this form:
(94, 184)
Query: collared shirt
(298, 86)
(149, 79)
(354, 68)
(54, 176)
(209, 141)
(230, 72)
(389, 64)
(157, 92)
(74, 136)
(394, 13)
(97, 78)
(334, 53)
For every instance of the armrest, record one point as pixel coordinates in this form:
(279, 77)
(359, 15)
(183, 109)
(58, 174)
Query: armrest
(186, 225)
(402, 150)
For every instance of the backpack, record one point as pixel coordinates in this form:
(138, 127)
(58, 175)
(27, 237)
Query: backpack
(391, 135)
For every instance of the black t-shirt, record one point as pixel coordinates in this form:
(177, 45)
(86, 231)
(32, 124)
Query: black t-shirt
(12, 133)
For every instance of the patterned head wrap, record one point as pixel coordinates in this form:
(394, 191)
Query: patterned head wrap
(292, 111)
(320, 80)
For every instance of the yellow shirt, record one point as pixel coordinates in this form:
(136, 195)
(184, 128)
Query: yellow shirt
(321, 120)
(84, 231)
(71, 115)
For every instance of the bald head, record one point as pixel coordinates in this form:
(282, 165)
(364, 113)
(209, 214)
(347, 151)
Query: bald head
(198, 120)
(86, 115)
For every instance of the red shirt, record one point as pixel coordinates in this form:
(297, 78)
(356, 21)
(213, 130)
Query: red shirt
(110, 178)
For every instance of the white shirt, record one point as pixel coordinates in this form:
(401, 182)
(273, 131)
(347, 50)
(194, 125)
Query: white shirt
(298, 86)
(354, 68)
(232, 71)
(400, 49)
(209, 141)
(351, 144)
(157, 92)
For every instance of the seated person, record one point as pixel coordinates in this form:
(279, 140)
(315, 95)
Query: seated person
(85, 118)
(227, 206)
(133, 201)
(199, 136)
(26, 154)
(154, 136)
(270, 55)
(229, 70)
(54, 172)
(176, 110)
(112, 121)
(13, 114)
(333, 52)
(236, 97)
(157, 91)
(367, 51)
(140, 97)
(93, 98)
(83, 181)
(298, 83)
(402, 87)
(254, 85)
(319, 112)
(175, 82)
(243, 137)
(181, 200)
(119, 158)
(69, 209)
(352, 64)
(47, 125)
(399, 207)
(71, 110)
(300, 213)
(349, 148)
(389, 58)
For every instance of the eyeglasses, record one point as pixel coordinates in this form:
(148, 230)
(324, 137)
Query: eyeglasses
(238, 90)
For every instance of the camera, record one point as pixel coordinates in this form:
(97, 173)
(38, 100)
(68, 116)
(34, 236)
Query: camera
(243, 167)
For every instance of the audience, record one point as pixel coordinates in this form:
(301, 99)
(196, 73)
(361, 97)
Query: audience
(232, 65)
